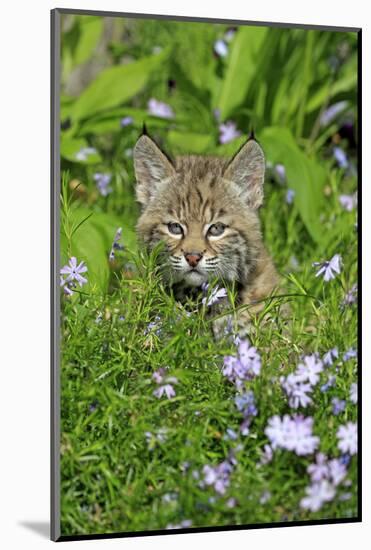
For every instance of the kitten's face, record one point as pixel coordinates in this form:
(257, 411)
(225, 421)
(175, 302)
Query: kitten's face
(201, 211)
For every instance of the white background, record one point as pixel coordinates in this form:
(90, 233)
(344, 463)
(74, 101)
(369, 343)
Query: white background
(24, 288)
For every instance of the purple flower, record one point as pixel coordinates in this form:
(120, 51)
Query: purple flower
(319, 470)
(218, 476)
(216, 295)
(245, 366)
(159, 109)
(332, 112)
(337, 471)
(341, 157)
(338, 405)
(85, 152)
(354, 393)
(102, 182)
(221, 48)
(350, 354)
(231, 434)
(231, 502)
(293, 434)
(310, 369)
(329, 268)
(73, 272)
(350, 296)
(329, 357)
(126, 121)
(229, 35)
(348, 438)
(115, 244)
(348, 202)
(296, 391)
(228, 131)
(184, 524)
(265, 497)
(317, 495)
(290, 195)
(267, 455)
(330, 382)
(165, 390)
(280, 172)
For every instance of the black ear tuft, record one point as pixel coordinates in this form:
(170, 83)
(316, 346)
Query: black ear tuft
(252, 134)
(144, 130)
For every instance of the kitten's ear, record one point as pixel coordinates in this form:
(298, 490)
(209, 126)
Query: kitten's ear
(246, 170)
(151, 167)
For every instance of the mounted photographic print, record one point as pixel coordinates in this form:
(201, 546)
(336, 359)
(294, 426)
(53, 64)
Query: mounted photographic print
(205, 274)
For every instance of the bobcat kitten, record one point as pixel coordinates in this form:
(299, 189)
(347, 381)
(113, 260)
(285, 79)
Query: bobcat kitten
(205, 210)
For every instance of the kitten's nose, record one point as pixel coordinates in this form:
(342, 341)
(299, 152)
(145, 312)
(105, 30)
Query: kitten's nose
(192, 258)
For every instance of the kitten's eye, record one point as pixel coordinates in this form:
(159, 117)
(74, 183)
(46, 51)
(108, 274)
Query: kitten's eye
(216, 229)
(175, 228)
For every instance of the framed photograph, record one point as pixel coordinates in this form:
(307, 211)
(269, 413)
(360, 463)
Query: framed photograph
(205, 265)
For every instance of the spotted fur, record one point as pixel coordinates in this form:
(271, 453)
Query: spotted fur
(196, 193)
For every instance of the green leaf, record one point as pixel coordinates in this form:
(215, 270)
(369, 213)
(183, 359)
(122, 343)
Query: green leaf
(116, 85)
(109, 121)
(304, 175)
(242, 64)
(70, 147)
(189, 142)
(90, 32)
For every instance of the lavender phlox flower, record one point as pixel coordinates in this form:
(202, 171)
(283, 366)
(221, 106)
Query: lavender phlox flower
(184, 524)
(152, 438)
(267, 455)
(332, 112)
(216, 295)
(85, 152)
(351, 353)
(221, 48)
(67, 286)
(228, 131)
(280, 172)
(329, 357)
(296, 391)
(290, 195)
(265, 497)
(231, 502)
(168, 498)
(348, 202)
(229, 35)
(317, 495)
(354, 393)
(230, 434)
(244, 367)
(102, 182)
(159, 375)
(348, 438)
(245, 404)
(293, 434)
(329, 268)
(165, 390)
(159, 109)
(337, 471)
(319, 470)
(338, 405)
(303, 442)
(218, 476)
(350, 296)
(126, 121)
(340, 157)
(73, 271)
(310, 369)
(345, 459)
(329, 384)
(116, 245)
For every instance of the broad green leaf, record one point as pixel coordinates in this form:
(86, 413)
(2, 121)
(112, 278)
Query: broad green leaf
(188, 142)
(304, 175)
(116, 85)
(242, 64)
(90, 31)
(72, 149)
